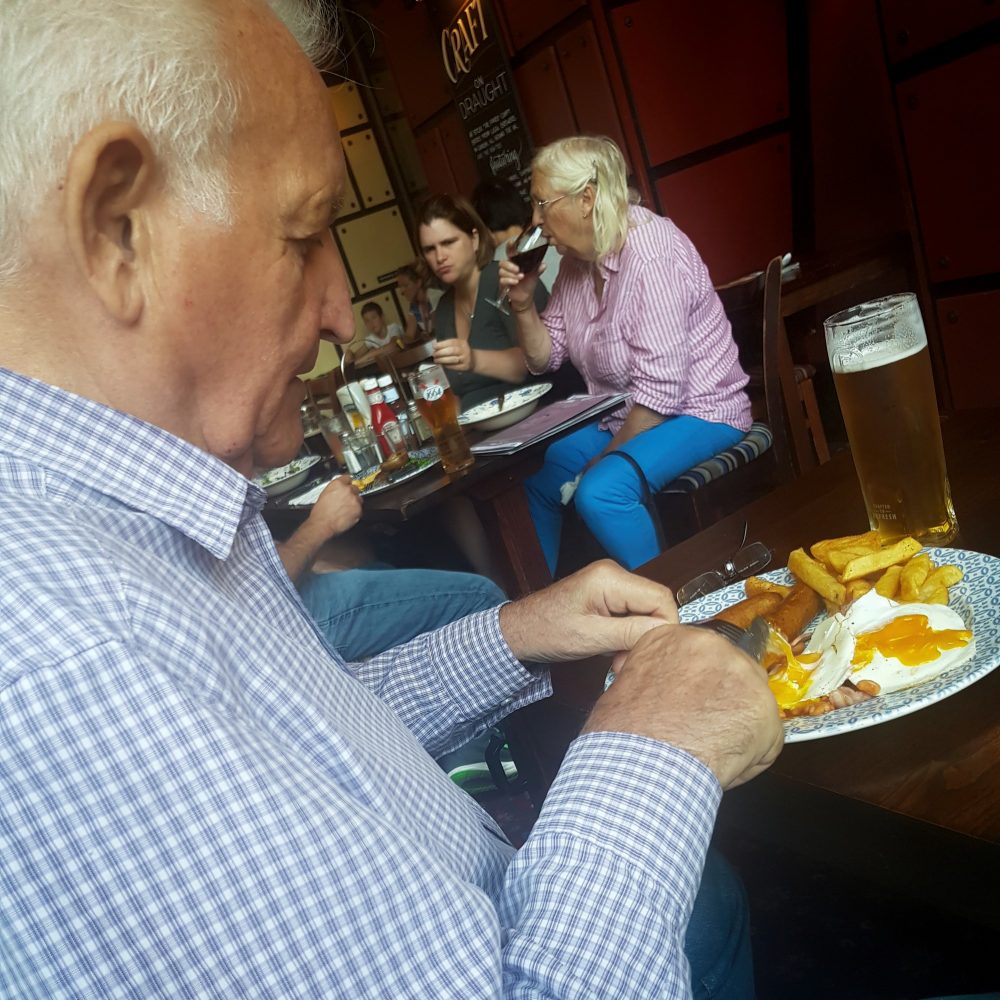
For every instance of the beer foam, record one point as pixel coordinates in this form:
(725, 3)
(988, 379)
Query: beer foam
(875, 351)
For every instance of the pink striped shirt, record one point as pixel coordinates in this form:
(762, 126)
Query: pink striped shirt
(659, 331)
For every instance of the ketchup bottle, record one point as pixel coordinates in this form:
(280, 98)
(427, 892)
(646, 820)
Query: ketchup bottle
(385, 424)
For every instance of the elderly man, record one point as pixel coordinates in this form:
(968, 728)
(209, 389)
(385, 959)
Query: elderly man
(197, 800)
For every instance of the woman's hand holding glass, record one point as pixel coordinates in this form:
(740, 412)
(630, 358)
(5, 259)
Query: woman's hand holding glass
(521, 270)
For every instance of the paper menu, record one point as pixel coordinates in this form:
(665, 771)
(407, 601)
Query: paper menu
(546, 421)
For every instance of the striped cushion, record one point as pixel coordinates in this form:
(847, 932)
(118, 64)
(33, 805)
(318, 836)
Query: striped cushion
(758, 439)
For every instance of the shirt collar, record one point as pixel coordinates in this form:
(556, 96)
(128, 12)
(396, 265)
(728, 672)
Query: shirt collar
(612, 262)
(72, 439)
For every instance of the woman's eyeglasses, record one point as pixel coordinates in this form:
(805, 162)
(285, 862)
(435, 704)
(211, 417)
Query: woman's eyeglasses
(749, 559)
(542, 203)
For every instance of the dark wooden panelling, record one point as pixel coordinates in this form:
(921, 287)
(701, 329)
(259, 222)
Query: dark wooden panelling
(527, 19)
(736, 208)
(701, 73)
(951, 126)
(413, 50)
(544, 99)
(459, 153)
(912, 26)
(435, 162)
(587, 84)
(969, 326)
(857, 182)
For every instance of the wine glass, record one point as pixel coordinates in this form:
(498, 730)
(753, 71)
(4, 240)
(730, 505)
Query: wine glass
(529, 249)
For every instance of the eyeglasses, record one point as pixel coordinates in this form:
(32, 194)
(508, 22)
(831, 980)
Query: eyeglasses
(542, 203)
(748, 559)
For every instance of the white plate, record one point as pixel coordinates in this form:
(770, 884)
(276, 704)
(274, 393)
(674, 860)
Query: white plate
(517, 404)
(976, 598)
(274, 482)
(421, 459)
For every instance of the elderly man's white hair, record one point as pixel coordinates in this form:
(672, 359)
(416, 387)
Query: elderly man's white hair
(66, 65)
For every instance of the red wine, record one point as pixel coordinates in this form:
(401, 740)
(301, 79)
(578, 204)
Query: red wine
(528, 261)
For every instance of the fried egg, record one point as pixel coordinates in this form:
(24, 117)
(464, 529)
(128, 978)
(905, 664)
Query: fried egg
(900, 645)
(892, 645)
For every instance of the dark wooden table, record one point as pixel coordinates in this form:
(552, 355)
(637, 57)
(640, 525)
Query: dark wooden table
(913, 803)
(494, 483)
(936, 764)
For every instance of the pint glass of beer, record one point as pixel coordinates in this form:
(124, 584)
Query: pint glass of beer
(881, 367)
(439, 407)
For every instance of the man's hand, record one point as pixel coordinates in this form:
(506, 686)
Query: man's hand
(602, 609)
(454, 353)
(338, 508)
(697, 691)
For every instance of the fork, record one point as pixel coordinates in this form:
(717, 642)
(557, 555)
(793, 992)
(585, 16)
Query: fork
(752, 639)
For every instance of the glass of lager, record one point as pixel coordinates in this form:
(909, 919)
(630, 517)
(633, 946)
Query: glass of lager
(882, 371)
(439, 407)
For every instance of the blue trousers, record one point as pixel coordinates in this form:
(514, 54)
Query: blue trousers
(717, 943)
(608, 497)
(366, 611)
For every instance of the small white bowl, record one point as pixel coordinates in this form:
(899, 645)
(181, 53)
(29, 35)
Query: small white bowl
(517, 404)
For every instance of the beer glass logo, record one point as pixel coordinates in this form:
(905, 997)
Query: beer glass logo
(433, 392)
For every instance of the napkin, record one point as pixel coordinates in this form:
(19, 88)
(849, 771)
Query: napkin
(567, 490)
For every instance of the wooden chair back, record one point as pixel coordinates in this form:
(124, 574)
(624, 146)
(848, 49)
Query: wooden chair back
(753, 307)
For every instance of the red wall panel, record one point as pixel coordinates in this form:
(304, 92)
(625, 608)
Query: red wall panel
(969, 325)
(735, 208)
(587, 84)
(703, 74)
(544, 99)
(856, 175)
(435, 162)
(413, 50)
(912, 26)
(951, 125)
(527, 19)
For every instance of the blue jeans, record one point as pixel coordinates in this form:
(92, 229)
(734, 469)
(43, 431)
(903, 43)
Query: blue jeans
(717, 943)
(608, 498)
(362, 612)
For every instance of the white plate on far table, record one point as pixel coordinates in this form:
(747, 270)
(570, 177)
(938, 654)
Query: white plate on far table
(421, 459)
(515, 405)
(274, 482)
(976, 598)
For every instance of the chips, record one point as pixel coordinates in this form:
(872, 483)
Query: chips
(815, 575)
(758, 585)
(840, 570)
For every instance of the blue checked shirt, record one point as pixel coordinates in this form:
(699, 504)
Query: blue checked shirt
(197, 799)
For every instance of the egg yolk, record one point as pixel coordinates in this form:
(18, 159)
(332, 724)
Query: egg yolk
(909, 639)
(790, 682)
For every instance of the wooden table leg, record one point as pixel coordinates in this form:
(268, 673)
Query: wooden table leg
(503, 508)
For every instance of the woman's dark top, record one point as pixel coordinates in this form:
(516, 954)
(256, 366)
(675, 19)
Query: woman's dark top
(490, 330)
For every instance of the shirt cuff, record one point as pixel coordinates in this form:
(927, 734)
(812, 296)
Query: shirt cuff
(477, 664)
(646, 801)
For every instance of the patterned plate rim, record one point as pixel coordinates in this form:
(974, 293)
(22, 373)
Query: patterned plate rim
(976, 598)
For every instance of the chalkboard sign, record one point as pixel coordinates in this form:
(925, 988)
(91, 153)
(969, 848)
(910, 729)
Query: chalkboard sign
(482, 86)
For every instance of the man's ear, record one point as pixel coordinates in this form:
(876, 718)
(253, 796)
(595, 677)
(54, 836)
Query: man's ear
(109, 187)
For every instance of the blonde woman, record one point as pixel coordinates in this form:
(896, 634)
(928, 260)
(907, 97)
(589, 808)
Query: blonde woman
(634, 310)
